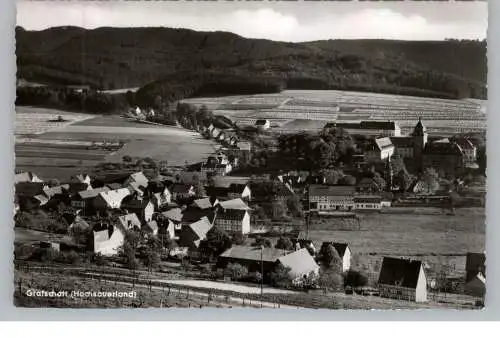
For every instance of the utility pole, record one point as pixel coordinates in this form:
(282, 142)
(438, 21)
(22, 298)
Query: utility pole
(261, 273)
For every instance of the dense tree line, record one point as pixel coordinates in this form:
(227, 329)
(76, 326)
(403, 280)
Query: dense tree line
(88, 101)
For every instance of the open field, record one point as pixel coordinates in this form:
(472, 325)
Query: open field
(67, 150)
(440, 115)
(427, 234)
(35, 120)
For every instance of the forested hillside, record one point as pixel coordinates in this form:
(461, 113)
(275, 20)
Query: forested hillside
(175, 63)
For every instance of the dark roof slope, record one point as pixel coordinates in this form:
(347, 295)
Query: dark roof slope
(331, 190)
(399, 272)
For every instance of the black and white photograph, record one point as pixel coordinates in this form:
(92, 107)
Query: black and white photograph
(250, 154)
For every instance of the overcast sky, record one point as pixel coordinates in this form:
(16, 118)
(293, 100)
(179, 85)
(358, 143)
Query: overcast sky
(283, 21)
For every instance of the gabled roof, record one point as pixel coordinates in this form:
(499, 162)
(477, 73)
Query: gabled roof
(129, 221)
(253, 253)
(383, 143)
(92, 193)
(300, 262)
(235, 204)
(442, 148)
(174, 214)
(201, 228)
(192, 214)
(331, 190)
(400, 272)
(114, 196)
(203, 203)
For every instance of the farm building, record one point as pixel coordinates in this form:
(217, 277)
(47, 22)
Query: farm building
(331, 198)
(252, 257)
(403, 279)
(368, 202)
(205, 203)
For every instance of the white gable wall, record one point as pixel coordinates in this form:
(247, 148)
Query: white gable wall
(346, 261)
(421, 289)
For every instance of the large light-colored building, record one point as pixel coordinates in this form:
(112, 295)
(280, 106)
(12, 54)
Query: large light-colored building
(331, 198)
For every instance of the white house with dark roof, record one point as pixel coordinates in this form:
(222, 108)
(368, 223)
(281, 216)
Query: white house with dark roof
(138, 178)
(403, 279)
(331, 198)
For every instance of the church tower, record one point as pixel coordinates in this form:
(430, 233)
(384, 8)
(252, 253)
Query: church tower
(419, 142)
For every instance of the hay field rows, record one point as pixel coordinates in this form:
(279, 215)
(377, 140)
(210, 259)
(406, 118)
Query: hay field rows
(439, 115)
